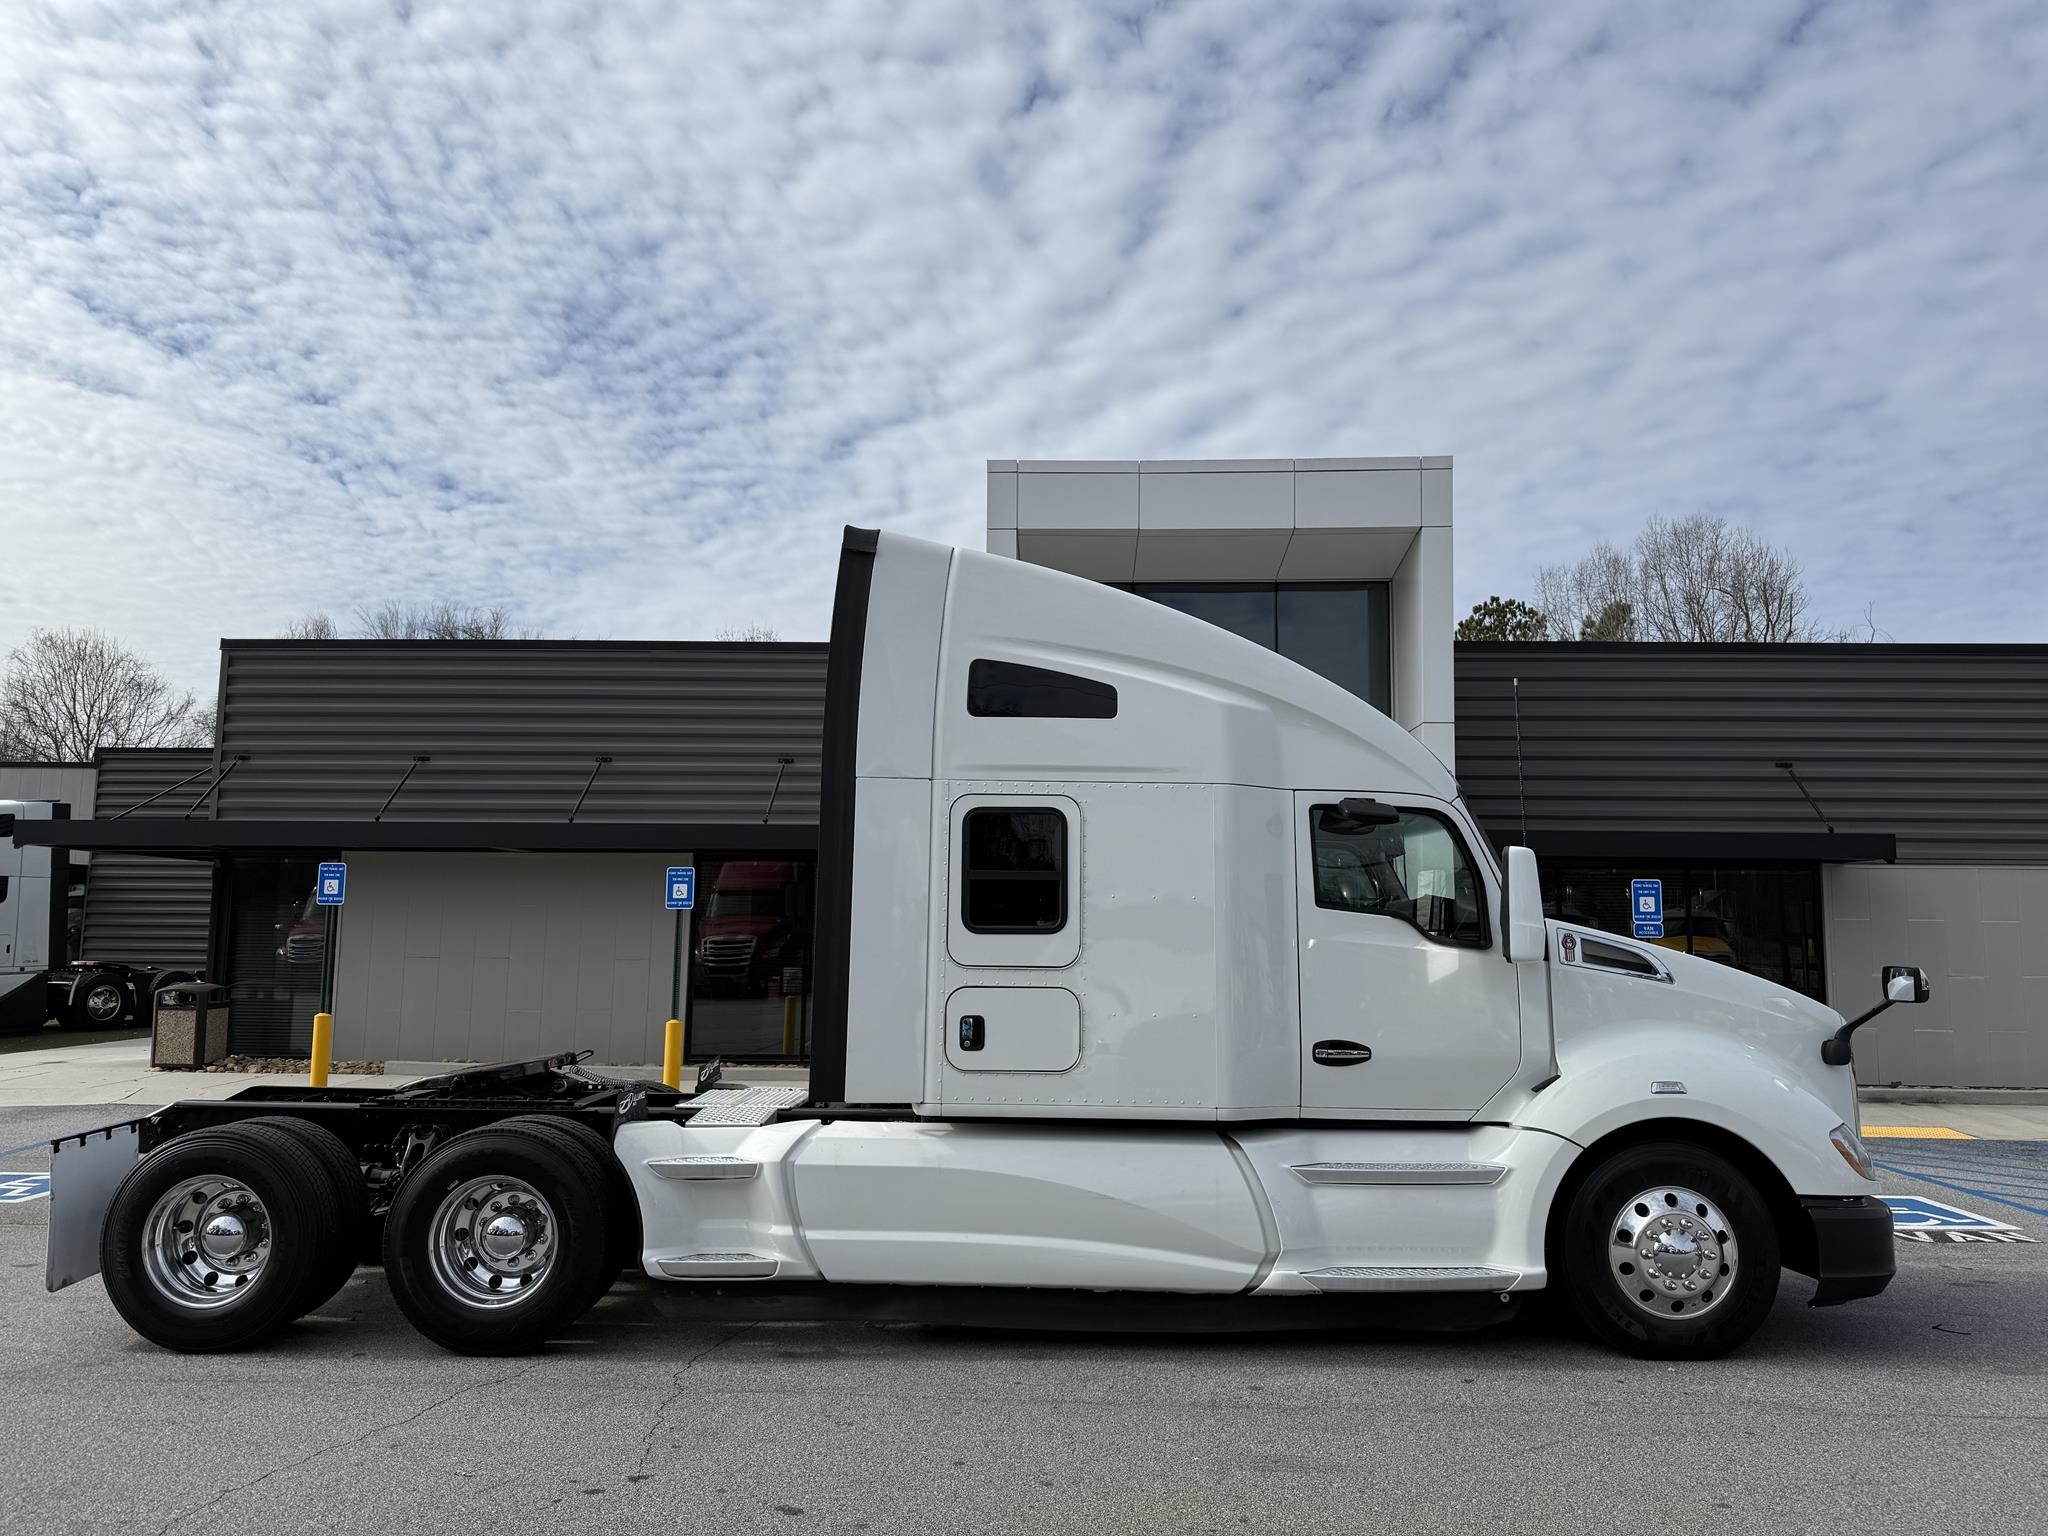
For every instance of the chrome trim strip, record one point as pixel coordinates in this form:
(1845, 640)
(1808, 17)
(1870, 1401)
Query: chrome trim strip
(1399, 1173)
(1412, 1277)
(703, 1166)
(720, 1266)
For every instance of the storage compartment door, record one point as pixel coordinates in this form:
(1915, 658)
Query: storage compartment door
(1013, 1029)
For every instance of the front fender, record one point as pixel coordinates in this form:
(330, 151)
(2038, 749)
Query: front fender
(1733, 1090)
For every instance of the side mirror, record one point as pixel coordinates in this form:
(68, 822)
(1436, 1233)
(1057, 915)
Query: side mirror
(1527, 939)
(1902, 984)
(1905, 984)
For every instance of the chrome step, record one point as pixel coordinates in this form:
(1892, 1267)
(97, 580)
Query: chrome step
(703, 1166)
(720, 1266)
(743, 1106)
(1399, 1173)
(1412, 1277)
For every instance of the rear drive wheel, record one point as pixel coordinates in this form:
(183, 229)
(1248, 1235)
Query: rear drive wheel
(499, 1241)
(99, 1001)
(625, 1205)
(1670, 1253)
(213, 1240)
(345, 1178)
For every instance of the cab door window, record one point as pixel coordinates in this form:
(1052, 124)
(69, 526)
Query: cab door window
(1414, 869)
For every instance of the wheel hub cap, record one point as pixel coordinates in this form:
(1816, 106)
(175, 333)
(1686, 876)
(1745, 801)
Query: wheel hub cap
(1672, 1252)
(205, 1242)
(493, 1241)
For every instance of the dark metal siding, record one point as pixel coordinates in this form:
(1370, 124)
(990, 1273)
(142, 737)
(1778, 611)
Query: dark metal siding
(1945, 746)
(147, 911)
(694, 730)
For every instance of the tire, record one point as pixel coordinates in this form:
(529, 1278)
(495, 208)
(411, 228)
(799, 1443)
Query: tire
(625, 1205)
(351, 1198)
(99, 1001)
(1697, 1270)
(275, 1242)
(549, 1204)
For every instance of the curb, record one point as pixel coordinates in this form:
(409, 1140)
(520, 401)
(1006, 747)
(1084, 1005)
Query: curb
(2013, 1096)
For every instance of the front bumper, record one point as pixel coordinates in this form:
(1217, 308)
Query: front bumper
(1854, 1254)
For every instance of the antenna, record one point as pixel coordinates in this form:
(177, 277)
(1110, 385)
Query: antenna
(1521, 782)
(1792, 773)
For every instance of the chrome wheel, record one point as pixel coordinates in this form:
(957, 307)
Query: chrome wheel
(493, 1242)
(206, 1242)
(103, 1003)
(1672, 1252)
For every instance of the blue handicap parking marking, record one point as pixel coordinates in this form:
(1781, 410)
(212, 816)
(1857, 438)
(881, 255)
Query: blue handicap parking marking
(1916, 1211)
(1915, 1218)
(18, 1187)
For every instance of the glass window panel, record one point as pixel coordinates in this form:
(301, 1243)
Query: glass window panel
(1341, 632)
(750, 960)
(1243, 610)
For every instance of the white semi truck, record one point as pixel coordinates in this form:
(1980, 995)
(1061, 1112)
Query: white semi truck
(1160, 982)
(38, 982)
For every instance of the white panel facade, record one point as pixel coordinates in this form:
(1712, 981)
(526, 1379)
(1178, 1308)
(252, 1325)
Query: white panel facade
(491, 956)
(1981, 933)
(1255, 520)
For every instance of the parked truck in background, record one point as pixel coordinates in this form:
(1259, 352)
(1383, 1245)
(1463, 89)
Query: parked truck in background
(40, 980)
(1156, 980)
(750, 928)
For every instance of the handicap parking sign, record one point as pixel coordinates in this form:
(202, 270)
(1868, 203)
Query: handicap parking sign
(331, 886)
(1646, 907)
(682, 888)
(15, 1188)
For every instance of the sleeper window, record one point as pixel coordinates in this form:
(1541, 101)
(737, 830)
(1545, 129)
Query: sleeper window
(1014, 870)
(1414, 869)
(1011, 688)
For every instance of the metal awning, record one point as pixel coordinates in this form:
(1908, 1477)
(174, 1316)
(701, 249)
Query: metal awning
(212, 839)
(1608, 845)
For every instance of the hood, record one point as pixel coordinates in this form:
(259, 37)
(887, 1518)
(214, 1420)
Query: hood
(1766, 1017)
(754, 925)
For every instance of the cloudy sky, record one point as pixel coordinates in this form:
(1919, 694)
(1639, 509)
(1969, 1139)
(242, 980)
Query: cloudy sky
(615, 312)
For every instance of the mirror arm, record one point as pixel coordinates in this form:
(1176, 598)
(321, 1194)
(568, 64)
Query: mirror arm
(1836, 1050)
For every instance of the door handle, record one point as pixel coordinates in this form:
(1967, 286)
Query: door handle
(973, 1027)
(1339, 1053)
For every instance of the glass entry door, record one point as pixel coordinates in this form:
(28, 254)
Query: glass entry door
(277, 956)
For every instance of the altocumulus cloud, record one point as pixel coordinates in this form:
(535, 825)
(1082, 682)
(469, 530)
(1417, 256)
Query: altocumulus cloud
(615, 312)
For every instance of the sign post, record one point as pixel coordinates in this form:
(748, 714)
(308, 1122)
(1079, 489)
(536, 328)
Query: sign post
(330, 891)
(679, 895)
(1646, 908)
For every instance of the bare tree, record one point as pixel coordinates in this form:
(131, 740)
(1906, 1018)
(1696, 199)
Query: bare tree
(314, 626)
(68, 692)
(1696, 578)
(747, 632)
(440, 619)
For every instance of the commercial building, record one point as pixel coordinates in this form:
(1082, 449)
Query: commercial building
(507, 809)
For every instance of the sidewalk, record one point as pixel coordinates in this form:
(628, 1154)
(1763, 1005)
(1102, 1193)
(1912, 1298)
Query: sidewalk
(118, 1072)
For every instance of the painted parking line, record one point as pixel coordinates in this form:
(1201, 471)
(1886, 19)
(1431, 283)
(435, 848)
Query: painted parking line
(17, 1188)
(1914, 1133)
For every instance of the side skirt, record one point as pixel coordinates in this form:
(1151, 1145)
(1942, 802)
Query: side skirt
(1077, 1311)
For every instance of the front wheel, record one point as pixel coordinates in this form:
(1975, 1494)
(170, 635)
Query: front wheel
(1670, 1253)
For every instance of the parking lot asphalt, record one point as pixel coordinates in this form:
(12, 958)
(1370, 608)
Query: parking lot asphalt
(1924, 1409)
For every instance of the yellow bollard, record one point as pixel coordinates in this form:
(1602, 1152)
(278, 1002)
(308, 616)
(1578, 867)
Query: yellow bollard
(789, 1005)
(672, 1054)
(323, 1048)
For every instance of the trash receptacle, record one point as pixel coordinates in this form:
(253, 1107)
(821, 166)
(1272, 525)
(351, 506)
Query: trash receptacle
(189, 1029)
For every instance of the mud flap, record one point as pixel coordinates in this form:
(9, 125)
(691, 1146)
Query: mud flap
(85, 1171)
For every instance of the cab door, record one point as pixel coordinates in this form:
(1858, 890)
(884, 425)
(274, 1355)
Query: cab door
(1408, 1006)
